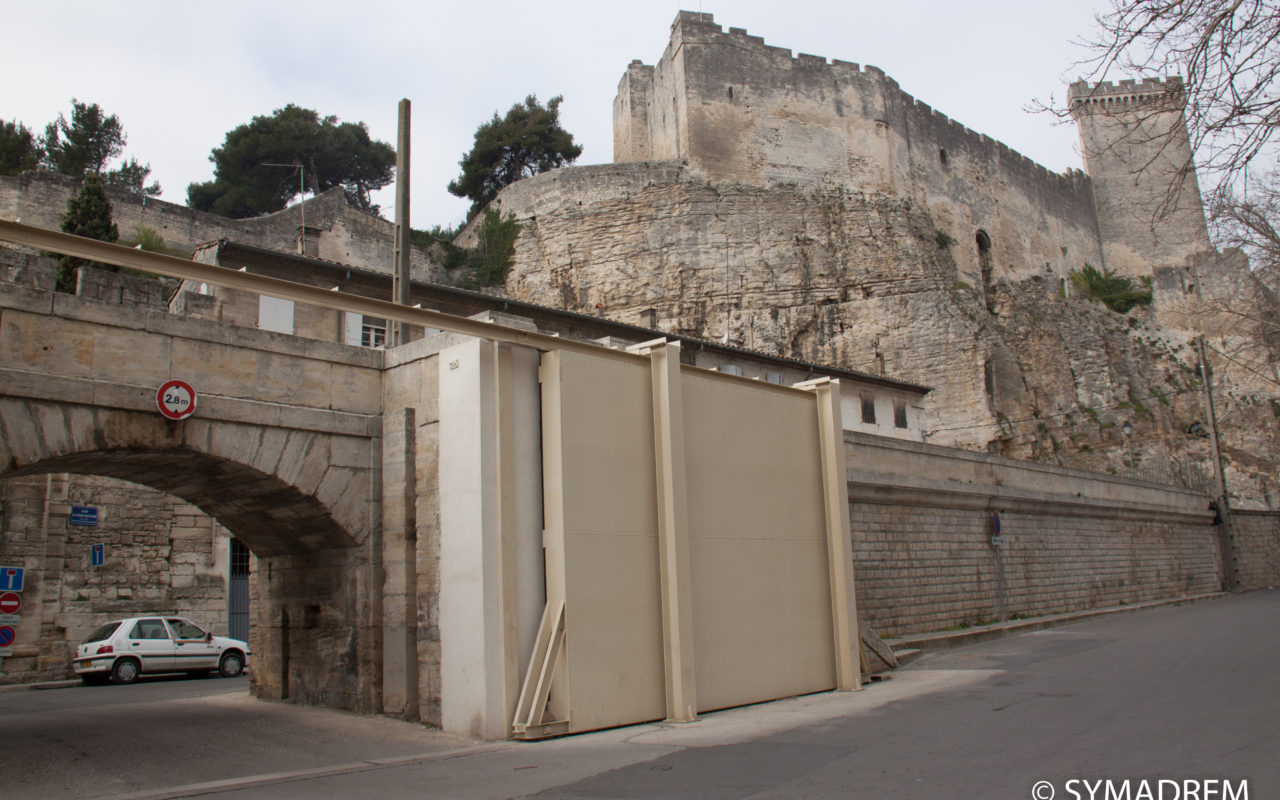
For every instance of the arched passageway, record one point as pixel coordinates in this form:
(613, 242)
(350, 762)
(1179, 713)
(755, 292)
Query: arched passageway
(280, 492)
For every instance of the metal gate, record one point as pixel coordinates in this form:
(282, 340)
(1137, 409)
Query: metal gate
(238, 592)
(696, 541)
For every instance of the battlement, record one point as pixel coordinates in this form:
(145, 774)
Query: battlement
(700, 30)
(1107, 95)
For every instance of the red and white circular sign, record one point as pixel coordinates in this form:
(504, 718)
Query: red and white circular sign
(10, 602)
(176, 400)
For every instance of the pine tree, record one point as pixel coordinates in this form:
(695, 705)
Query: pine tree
(89, 215)
(526, 142)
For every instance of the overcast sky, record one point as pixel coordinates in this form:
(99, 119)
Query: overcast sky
(180, 75)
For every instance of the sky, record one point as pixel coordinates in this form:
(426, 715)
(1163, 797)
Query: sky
(180, 75)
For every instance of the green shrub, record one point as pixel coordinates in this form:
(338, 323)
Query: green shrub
(1116, 292)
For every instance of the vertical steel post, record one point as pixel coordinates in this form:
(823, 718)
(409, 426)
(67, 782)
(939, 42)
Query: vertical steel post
(835, 491)
(673, 528)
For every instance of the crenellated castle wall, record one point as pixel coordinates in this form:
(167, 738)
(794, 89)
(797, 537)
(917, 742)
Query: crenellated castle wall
(740, 111)
(811, 208)
(1133, 138)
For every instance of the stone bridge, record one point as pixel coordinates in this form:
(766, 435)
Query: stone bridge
(284, 452)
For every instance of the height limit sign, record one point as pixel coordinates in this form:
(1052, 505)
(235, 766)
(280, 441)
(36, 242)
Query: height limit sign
(176, 400)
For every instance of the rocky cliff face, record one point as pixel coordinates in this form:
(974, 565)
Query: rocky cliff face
(869, 282)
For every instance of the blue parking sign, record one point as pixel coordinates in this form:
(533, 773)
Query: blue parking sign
(11, 579)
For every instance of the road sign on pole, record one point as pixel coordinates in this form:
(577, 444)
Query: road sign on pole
(176, 399)
(11, 579)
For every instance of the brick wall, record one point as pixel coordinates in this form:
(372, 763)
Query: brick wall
(922, 523)
(1257, 546)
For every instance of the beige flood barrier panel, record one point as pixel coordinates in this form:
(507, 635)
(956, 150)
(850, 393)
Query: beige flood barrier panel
(696, 542)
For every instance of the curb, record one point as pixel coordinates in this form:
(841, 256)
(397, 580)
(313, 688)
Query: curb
(18, 687)
(948, 639)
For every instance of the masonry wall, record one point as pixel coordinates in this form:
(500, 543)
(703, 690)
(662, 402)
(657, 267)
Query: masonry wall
(921, 518)
(1134, 141)
(740, 111)
(1257, 546)
(411, 530)
(345, 234)
(162, 556)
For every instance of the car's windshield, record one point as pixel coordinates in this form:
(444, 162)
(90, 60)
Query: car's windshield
(102, 632)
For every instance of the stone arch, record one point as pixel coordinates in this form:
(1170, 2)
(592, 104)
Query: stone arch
(279, 489)
(300, 500)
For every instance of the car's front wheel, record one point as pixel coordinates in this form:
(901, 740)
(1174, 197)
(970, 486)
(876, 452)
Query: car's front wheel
(126, 670)
(231, 665)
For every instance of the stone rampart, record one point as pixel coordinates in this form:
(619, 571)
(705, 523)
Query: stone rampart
(740, 111)
(1136, 148)
(922, 521)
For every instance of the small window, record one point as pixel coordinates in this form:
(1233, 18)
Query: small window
(149, 629)
(899, 413)
(373, 333)
(942, 156)
(868, 409)
(731, 369)
(239, 559)
(773, 377)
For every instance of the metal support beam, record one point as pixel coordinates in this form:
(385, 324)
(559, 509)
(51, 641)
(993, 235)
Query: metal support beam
(673, 528)
(186, 269)
(835, 490)
(505, 469)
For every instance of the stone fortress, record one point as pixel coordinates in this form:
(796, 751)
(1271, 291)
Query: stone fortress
(810, 208)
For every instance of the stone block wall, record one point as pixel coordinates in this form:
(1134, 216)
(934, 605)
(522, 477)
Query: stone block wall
(124, 289)
(740, 111)
(28, 270)
(411, 531)
(162, 556)
(1134, 141)
(1257, 548)
(921, 518)
(346, 235)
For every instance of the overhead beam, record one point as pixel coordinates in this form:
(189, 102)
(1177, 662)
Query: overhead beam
(186, 269)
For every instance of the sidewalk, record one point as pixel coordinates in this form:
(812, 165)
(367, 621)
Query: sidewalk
(907, 647)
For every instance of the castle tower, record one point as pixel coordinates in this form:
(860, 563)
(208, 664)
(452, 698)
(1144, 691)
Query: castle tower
(1133, 137)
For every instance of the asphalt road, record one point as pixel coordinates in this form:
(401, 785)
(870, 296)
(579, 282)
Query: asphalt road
(1185, 693)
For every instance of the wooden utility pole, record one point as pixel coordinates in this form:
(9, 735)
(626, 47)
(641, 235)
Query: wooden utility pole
(400, 281)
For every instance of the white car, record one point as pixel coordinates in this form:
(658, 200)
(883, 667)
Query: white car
(124, 649)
